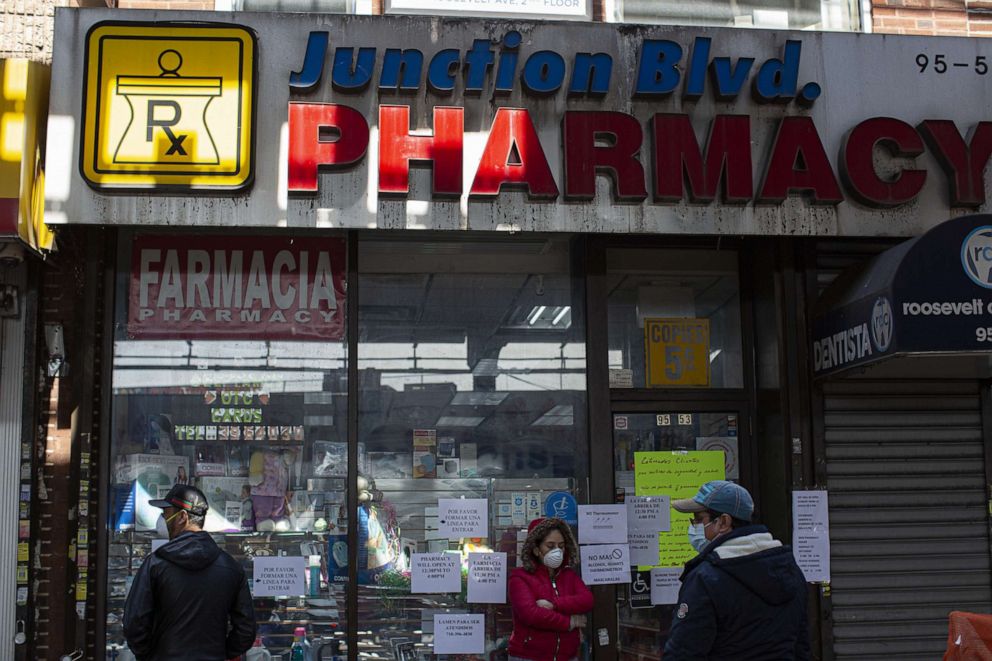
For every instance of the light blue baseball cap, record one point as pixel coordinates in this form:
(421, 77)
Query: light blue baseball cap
(720, 496)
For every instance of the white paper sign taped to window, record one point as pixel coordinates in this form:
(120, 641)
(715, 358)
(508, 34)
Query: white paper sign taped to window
(435, 573)
(459, 518)
(279, 576)
(487, 578)
(665, 585)
(459, 634)
(605, 564)
(603, 524)
(811, 534)
(649, 513)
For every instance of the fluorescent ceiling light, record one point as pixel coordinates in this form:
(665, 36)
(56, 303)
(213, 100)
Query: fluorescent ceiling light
(459, 421)
(535, 315)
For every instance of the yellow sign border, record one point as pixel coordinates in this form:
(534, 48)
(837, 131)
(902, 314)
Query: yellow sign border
(647, 351)
(124, 179)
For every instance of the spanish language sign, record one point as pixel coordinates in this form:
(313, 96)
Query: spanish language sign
(649, 513)
(811, 534)
(603, 524)
(433, 573)
(665, 585)
(279, 576)
(678, 352)
(643, 549)
(463, 517)
(604, 564)
(459, 634)
(487, 578)
(678, 475)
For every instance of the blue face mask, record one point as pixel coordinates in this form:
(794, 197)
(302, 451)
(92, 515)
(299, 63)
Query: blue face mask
(697, 536)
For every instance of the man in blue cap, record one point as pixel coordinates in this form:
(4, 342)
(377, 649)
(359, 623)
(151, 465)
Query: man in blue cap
(743, 597)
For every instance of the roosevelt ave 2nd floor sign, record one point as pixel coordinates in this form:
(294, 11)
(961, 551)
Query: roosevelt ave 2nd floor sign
(409, 122)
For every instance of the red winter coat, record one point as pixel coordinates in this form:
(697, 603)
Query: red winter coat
(539, 633)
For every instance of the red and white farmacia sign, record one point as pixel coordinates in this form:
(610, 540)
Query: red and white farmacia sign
(242, 287)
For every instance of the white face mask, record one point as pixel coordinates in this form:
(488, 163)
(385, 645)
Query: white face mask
(161, 529)
(697, 536)
(553, 558)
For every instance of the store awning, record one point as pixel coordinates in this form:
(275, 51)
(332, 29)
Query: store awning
(930, 294)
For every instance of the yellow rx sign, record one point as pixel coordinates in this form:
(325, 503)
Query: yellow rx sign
(168, 107)
(677, 352)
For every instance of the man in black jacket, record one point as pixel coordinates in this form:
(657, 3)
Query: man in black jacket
(190, 600)
(743, 597)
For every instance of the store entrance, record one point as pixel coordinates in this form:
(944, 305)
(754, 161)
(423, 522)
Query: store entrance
(666, 428)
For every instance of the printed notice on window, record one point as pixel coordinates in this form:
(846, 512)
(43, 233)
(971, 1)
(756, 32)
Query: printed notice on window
(811, 534)
(459, 518)
(665, 585)
(605, 564)
(279, 576)
(459, 634)
(603, 524)
(649, 513)
(487, 578)
(435, 573)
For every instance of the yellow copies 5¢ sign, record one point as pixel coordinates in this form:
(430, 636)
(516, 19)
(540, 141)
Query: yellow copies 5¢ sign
(677, 352)
(168, 106)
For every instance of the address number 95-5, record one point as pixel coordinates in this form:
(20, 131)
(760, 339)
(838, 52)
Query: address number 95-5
(983, 334)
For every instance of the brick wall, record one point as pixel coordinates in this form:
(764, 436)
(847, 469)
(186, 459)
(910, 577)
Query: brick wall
(956, 18)
(26, 28)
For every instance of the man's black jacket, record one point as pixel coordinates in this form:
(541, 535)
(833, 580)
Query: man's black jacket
(742, 599)
(190, 601)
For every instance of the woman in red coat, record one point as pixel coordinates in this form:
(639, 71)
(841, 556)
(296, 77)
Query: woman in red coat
(548, 597)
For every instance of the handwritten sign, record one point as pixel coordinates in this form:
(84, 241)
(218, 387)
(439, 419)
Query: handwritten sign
(649, 513)
(605, 564)
(434, 573)
(643, 549)
(277, 576)
(487, 578)
(463, 517)
(811, 534)
(602, 524)
(459, 634)
(665, 585)
(677, 475)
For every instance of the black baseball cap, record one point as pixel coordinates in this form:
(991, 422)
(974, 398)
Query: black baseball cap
(184, 497)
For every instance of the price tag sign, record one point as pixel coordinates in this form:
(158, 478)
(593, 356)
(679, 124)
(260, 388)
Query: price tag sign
(678, 352)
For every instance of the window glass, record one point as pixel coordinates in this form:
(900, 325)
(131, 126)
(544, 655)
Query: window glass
(211, 389)
(674, 319)
(644, 628)
(771, 14)
(472, 384)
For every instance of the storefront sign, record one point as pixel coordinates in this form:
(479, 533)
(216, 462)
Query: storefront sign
(556, 9)
(678, 475)
(602, 524)
(278, 576)
(932, 294)
(605, 564)
(665, 585)
(678, 352)
(435, 573)
(260, 288)
(459, 634)
(562, 505)
(811, 534)
(401, 122)
(463, 517)
(486, 578)
(168, 106)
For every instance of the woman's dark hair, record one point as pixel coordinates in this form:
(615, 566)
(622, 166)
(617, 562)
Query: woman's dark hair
(537, 535)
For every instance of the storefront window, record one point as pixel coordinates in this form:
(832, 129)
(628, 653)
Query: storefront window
(230, 375)
(674, 319)
(770, 14)
(644, 627)
(472, 385)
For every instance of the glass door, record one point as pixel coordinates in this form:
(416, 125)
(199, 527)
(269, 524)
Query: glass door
(644, 625)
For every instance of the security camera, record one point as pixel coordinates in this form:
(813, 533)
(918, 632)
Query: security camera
(11, 255)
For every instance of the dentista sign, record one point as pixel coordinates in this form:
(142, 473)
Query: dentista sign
(459, 124)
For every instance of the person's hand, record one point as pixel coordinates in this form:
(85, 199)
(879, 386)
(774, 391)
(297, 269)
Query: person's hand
(544, 603)
(577, 622)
